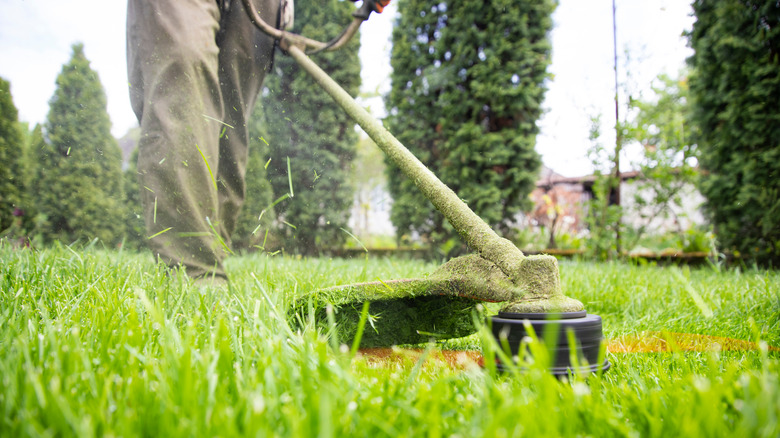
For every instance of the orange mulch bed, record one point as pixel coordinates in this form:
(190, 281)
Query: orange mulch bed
(662, 342)
(646, 342)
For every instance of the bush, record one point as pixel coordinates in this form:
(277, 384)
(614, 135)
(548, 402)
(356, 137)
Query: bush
(735, 88)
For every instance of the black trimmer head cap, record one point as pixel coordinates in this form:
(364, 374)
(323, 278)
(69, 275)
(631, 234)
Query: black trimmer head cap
(553, 328)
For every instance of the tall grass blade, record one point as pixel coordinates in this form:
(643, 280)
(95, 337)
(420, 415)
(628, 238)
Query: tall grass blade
(208, 166)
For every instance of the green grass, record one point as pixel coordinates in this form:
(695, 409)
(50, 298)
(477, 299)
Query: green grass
(101, 343)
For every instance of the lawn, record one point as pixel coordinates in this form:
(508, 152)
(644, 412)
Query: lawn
(104, 343)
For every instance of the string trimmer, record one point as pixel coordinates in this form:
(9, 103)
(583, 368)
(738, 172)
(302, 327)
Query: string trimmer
(439, 306)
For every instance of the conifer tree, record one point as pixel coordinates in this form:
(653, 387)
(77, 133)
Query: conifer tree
(78, 169)
(318, 139)
(11, 148)
(467, 88)
(735, 89)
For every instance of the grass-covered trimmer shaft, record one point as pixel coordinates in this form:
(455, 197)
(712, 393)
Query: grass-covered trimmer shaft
(527, 284)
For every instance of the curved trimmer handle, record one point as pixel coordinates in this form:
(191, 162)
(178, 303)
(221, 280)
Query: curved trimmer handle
(360, 16)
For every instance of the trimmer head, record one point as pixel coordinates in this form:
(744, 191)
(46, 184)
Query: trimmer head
(414, 310)
(441, 305)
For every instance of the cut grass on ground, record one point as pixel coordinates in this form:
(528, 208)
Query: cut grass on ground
(105, 343)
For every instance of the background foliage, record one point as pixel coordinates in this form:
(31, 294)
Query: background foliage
(668, 161)
(467, 87)
(604, 217)
(660, 134)
(465, 101)
(735, 88)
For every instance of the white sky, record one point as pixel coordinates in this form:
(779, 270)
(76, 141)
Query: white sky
(36, 38)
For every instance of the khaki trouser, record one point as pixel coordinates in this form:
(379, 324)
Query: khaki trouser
(195, 69)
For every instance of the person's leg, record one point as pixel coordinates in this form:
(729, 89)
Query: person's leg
(173, 61)
(244, 57)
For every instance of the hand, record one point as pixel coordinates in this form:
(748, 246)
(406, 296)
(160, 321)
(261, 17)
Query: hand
(377, 5)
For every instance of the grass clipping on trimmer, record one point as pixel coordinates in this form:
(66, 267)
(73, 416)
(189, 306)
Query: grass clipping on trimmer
(412, 311)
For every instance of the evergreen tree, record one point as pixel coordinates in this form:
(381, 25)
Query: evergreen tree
(11, 149)
(467, 88)
(257, 213)
(735, 89)
(308, 130)
(78, 175)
